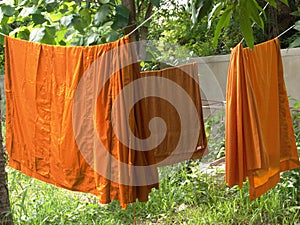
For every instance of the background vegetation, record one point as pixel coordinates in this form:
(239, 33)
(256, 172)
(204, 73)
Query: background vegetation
(189, 193)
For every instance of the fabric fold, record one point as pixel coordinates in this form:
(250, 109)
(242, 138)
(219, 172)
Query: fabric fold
(185, 140)
(260, 141)
(50, 139)
(85, 118)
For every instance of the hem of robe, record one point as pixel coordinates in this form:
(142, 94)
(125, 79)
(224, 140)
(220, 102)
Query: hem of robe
(289, 164)
(125, 205)
(17, 166)
(272, 181)
(256, 192)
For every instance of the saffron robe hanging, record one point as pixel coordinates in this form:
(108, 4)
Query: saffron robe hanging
(260, 141)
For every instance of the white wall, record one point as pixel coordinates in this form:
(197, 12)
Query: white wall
(213, 74)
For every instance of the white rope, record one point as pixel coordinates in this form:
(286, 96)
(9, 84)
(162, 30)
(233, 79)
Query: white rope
(291, 27)
(149, 18)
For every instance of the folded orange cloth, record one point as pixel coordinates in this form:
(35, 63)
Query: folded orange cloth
(186, 138)
(260, 141)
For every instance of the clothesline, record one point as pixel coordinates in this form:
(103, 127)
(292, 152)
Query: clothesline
(145, 21)
(291, 27)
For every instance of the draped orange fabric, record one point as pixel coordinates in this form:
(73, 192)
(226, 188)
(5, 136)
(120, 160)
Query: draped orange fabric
(193, 142)
(69, 118)
(260, 141)
(42, 141)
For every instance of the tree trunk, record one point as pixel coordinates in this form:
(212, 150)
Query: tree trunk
(130, 5)
(279, 19)
(5, 212)
(138, 9)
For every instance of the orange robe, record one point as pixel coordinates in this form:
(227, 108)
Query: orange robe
(260, 141)
(190, 143)
(63, 113)
(49, 140)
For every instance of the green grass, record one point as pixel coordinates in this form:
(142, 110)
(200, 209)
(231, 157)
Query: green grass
(184, 197)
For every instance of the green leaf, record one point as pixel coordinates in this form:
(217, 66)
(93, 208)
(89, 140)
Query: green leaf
(194, 15)
(216, 9)
(64, 9)
(77, 23)
(24, 34)
(196, 8)
(296, 13)
(22, 3)
(38, 18)
(60, 34)
(272, 3)
(37, 34)
(82, 20)
(51, 5)
(204, 11)
(253, 10)
(49, 1)
(86, 18)
(121, 19)
(297, 25)
(286, 2)
(49, 37)
(101, 14)
(122, 11)
(92, 38)
(67, 20)
(104, 1)
(1, 15)
(26, 11)
(119, 23)
(7, 10)
(5, 26)
(155, 3)
(223, 22)
(112, 36)
(2, 43)
(246, 27)
(297, 105)
(295, 43)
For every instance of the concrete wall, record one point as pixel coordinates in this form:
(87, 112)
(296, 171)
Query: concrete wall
(213, 74)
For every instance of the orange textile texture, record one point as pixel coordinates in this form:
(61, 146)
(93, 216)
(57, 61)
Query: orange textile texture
(193, 142)
(44, 101)
(86, 118)
(260, 141)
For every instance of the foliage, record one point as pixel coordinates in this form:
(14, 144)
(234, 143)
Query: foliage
(77, 22)
(245, 12)
(173, 25)
(64, 22)
(296, 121)
(296, 38)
